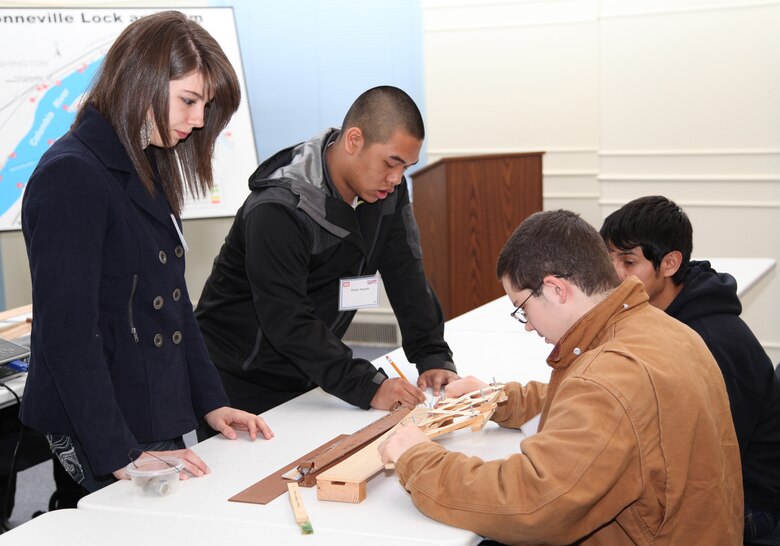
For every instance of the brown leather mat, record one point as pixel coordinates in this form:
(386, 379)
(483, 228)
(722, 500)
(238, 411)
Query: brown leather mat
(274, 485)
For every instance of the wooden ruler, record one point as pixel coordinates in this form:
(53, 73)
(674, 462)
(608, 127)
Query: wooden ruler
(323, 457)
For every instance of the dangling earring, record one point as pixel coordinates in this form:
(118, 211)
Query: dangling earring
(146, 133)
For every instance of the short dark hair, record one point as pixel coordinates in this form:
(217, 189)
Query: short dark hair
(381, 111)
(136, 75)
(560, 243)
(655, 224)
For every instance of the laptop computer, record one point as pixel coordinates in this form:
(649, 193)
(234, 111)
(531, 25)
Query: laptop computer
(10, 351)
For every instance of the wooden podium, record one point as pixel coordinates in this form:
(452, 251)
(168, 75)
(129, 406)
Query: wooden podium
(466, 208)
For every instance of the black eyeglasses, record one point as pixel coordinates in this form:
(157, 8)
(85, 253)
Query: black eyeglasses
(519, 313)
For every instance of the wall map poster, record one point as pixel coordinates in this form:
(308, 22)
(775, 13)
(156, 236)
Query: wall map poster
(48, 58)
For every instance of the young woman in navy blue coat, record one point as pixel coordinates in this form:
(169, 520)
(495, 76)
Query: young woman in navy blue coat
(118, 365)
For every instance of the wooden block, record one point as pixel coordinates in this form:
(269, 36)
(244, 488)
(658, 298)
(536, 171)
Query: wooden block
(336, 491)
(346, 481)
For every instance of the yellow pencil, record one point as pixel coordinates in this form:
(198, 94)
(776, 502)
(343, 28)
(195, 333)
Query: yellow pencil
(400, 373)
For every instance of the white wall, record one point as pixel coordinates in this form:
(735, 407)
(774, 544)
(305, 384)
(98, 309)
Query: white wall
(627, 98)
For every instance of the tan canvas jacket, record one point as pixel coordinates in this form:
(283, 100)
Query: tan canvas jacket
(635, 445)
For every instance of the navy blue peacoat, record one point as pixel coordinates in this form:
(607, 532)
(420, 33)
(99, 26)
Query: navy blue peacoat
(117, 357)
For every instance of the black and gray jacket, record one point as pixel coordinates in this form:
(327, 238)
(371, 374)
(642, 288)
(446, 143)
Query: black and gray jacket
(269, 310)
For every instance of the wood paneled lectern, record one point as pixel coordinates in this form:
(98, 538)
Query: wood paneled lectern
(466, 208)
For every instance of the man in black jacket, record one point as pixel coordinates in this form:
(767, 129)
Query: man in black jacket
(322, 219)
(652, 238)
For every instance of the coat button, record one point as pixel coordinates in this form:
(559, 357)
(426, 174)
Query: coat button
(179, 250)
(158, 302)
(163, 257)
(176, 337)
(176, 295)
(158, 340)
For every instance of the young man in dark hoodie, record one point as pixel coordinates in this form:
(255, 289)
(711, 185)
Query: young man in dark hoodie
(320, 215)
(652, 238)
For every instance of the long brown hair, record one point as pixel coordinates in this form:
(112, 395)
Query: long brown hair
(136, 74)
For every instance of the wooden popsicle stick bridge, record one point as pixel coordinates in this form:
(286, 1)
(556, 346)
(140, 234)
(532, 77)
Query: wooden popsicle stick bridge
(346, 481)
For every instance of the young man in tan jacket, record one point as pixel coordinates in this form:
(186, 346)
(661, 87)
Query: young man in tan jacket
(633, 447)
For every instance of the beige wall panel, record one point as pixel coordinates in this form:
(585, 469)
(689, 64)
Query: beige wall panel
(725, 193)
(579, 192)
(571, 184)
(739, 164)
(611, 8)
(758, 306)
(446, 15)
(571, 161)
(587, 208)
(702, 80)
(204, 238)
(511, 88)
(16, 270)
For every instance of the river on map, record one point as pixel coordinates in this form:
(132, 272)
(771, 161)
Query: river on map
(53, 118)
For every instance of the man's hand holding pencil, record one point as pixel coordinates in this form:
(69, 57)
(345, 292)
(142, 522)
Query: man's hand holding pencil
(394, 392)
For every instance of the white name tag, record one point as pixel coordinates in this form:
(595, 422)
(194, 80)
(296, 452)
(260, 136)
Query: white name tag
(359, 292)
